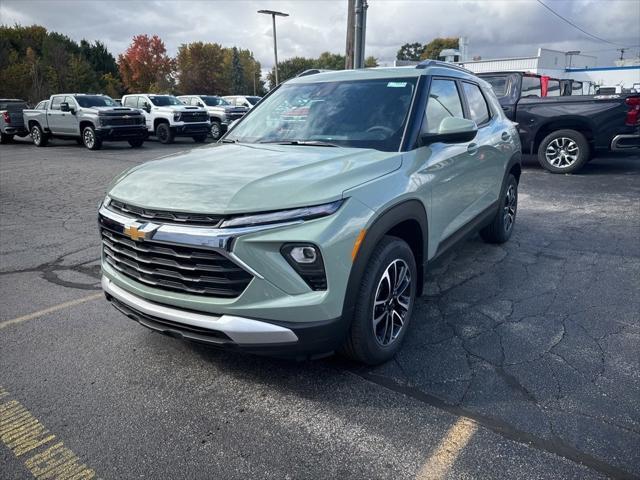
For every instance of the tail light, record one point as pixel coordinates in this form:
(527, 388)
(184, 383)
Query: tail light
(633, 115)
(6, 117)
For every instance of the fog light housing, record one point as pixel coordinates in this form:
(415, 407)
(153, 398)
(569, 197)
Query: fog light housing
(306, 260)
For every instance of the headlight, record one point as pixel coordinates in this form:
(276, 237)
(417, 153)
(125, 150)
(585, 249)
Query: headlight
(176, 117)
(303, 213)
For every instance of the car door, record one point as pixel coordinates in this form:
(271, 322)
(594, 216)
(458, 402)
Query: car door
(145, 104)
(55, 116)
(69, 123)
(446, 167)
(487, 169)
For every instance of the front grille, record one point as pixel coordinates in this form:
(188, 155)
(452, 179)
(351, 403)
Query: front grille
(191, 117)
(163, 216)
(176, 268)
(119, 121)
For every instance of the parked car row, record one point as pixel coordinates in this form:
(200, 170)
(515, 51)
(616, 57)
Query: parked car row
(91, 119)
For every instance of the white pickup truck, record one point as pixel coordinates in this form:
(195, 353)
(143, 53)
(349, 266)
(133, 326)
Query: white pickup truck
(89, 119)
(167, 117)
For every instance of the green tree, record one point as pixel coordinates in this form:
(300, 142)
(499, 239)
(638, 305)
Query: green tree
(200, 69)
(290, 68)
(434, 47)
(237, 73)
(79, 76)
(370, 62)
(410, 51)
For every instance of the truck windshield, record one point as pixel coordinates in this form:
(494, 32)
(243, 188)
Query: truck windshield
(214, 101)
(164, 100)
(87, 101)
(360, 113)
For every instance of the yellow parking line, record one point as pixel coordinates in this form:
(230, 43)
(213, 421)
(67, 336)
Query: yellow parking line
(22, 433)
(55, 308)
(441, 461)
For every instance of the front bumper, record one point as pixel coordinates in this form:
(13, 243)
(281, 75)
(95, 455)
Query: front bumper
(189, 129)
(124, 132)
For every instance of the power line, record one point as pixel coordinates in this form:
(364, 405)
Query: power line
(576, 26)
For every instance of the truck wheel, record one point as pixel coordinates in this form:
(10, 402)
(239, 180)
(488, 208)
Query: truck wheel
(563, 151)
(200, 138)
(5, 138)
(384, 304)
(164, 133)
(90, 139)
(40, 139)
(500, 229)
(216, 129)
(136, 142)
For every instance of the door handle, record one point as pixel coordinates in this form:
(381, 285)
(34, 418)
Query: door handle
(472, 149)
(505, 136)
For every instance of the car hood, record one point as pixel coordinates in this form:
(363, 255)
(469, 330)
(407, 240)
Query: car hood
(227, 109)
(177, 108)
(111, 110)
(236, 178)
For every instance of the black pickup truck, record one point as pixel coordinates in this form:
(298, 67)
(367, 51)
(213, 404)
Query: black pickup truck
(566, 131)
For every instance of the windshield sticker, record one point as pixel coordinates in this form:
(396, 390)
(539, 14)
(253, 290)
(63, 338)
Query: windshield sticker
(396, 84)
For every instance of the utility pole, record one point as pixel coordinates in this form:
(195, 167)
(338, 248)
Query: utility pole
(360, 32)
(348, 63)
(274, 14)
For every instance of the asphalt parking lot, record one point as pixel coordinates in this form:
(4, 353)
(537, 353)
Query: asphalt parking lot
(523, 361)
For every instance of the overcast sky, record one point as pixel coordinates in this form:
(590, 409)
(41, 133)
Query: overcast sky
(494, 28)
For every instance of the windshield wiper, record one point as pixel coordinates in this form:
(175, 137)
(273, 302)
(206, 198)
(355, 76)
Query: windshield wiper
(312, 143)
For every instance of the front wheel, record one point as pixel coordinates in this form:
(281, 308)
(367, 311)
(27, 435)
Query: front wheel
(216, 129)
(500, 229)
(384, 304)
(90, 139)
(164, 133)
(564, 151)
(136, 142)
(40, 139)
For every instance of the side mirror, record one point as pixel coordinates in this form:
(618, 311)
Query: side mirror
(146, 107)
(64, 107)
(452, 130)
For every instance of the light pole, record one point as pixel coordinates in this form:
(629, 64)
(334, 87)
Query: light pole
(273, 14)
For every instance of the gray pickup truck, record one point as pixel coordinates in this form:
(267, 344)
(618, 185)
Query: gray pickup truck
(89, 119)
(221, 113)
(11, 122)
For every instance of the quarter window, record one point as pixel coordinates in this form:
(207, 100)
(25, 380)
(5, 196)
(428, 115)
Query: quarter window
(444, 102)
(478, 109)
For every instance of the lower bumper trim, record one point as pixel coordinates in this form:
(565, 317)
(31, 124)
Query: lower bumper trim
(223, 329)
(621, 143)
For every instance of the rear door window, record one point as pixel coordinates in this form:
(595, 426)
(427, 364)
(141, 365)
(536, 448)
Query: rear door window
(478, 109)
(444, 101)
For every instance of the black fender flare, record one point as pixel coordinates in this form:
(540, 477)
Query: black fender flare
(391, 217)
(514, 161)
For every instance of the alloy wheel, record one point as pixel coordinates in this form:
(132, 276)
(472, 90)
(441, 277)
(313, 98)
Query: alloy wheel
(562, 152)
(215, 131)
(392, 302)
(510, 207)
(89, 138)
(35, 134)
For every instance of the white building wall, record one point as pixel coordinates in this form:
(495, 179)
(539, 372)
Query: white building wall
(624, 76)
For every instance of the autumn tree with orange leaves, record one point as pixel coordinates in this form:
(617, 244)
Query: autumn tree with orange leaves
(146, 67)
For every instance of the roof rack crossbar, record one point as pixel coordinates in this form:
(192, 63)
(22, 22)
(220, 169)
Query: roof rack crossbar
(437, 63)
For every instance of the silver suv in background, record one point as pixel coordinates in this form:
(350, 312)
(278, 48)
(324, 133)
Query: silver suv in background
(242, 100)
(11, 121)
(89, 119)
(221, 113)
(167, 117)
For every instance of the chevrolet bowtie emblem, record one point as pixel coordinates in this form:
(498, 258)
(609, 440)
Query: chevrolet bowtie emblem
(134, 234)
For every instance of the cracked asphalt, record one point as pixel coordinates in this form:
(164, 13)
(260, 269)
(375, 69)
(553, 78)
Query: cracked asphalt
(535, 343)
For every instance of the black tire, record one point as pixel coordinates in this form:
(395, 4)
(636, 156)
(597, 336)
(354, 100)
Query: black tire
(164, 133)
(564, 151)
(501, 228)
(216, 129)
(200, 138)
(5, 138)
(363, 343)
(90, 139)
(136, 142)
(40, 139)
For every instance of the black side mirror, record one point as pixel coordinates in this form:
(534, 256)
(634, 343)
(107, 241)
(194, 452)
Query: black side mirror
(64, 107)
(146, 107)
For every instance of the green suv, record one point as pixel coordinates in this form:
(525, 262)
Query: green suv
(311, 226)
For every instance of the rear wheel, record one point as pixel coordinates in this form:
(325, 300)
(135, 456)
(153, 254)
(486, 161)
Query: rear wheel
(500, 229)
(136, 142)
(40, 139)
(5, 138)
(564, 151)
(90, 139)
(384, 304)
(164, 133)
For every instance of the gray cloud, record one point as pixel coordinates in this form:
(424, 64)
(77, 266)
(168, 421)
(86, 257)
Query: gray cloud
(494, 28)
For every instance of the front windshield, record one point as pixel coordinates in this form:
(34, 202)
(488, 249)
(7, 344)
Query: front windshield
(88, 101)
(214, 101)
(360, 113)
(164, 100)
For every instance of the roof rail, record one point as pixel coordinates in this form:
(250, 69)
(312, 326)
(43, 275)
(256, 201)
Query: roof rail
(438, 63)
(312, 71)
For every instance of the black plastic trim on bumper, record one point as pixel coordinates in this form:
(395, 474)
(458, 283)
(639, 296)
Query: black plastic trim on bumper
(190, 130)
(122, 133)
